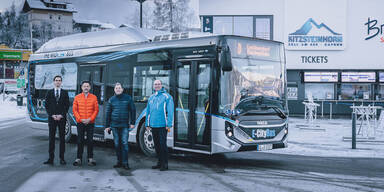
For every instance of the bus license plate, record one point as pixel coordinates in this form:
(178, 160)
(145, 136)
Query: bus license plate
(264, 147)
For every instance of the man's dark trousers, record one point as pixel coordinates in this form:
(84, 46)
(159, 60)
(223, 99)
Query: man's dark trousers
(160, 140)
(81, 129)
(52, 124)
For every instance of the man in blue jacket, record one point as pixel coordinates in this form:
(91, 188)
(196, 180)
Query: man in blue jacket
(120, 117)
(159, 118)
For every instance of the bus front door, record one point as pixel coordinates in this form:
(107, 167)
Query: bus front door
(96, 75)
(192, 101)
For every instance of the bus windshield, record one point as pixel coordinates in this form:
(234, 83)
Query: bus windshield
(258, 72)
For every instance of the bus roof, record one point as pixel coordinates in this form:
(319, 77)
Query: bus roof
(109, 37)
(120, 42)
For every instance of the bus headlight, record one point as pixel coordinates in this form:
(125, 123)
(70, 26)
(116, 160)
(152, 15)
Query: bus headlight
(228, 129)
(286, 129)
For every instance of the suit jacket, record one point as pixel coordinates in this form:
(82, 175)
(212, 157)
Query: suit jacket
(59, 107)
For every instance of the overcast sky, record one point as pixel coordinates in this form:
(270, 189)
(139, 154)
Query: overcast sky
(108, 11)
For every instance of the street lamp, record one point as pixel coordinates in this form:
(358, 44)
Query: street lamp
(141, 12)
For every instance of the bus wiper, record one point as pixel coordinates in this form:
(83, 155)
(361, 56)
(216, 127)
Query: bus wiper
(277, 110)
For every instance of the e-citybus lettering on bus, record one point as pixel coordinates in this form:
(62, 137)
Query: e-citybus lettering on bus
(229, 91)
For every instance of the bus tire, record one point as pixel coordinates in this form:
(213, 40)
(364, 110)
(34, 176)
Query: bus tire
(67, 131)
(147, 145)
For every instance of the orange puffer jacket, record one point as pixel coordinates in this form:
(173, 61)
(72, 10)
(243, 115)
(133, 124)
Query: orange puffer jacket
(85, 107)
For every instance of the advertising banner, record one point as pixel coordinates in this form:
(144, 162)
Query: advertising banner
(44, 75)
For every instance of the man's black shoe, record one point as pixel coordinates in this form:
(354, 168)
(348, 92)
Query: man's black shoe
(164, 168)
(49, 162)
(126, 167)
(118, 165)
(62, 162)
(156, 166)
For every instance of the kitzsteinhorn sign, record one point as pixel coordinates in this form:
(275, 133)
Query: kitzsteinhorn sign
(318, 27)
(11, 55)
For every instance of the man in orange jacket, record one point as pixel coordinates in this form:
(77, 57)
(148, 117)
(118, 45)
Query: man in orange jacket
(85, 109)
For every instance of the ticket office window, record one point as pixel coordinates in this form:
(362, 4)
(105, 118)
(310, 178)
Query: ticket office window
(320, 91)
(355, 92)
(380, 92)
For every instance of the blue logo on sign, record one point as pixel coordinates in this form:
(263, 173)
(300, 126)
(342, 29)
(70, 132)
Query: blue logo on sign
(314, 35)
(307, 27)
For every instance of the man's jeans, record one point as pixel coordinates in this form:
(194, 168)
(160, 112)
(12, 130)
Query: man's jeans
(120, 138)
(81, 128)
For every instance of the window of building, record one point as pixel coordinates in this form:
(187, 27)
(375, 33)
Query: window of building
(243, 26)
(223, 25)
(355, 92)
(250, 26)
(321, 91)
(263, 27)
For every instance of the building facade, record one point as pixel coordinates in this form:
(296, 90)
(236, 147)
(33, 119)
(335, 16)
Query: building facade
(333, 48)
(49, 19)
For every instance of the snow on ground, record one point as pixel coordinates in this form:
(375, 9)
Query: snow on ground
(325, 140)
(9, 109)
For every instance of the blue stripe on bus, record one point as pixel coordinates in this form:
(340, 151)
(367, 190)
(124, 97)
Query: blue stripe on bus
(203, 113)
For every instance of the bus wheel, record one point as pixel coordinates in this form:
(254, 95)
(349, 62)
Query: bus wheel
(147, 145)
(68, 131)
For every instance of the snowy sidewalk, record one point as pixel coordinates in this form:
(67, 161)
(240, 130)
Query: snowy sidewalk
(326, 140)
(9, 110)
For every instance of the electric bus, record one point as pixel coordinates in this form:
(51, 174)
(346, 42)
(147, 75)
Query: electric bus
(229, 91)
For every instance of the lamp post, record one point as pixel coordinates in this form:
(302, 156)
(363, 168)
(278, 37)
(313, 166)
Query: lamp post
(141, 12)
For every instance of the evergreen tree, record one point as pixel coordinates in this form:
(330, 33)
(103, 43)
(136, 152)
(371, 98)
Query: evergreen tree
(14, 31)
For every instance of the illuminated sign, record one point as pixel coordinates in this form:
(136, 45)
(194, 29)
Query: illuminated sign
(253, 50)
(11, 55)
(320, 76)
(258, 51)
(358, 76)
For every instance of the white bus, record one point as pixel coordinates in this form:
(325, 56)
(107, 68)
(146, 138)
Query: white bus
(229, 91)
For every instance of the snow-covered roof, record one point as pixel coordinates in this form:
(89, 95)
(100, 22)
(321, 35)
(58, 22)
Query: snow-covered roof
(106, 37)
(87, 21)
(107, 26)
(36, 4)
(95, 22)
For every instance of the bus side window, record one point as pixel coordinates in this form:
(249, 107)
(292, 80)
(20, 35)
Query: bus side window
(143, 78)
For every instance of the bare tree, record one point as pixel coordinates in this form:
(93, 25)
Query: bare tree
(173, 15)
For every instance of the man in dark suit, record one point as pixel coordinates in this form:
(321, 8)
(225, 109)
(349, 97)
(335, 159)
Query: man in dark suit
(57, 105)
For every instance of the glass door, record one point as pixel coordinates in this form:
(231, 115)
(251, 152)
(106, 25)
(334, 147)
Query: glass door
(192, 101)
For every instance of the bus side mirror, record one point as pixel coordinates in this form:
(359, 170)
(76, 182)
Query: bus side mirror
(225, 59)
